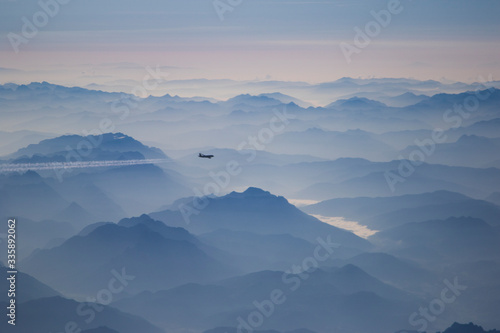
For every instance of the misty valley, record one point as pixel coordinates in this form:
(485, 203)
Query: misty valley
(357, 205)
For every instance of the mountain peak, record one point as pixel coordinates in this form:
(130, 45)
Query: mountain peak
(106, 144)
(255, 191)
(467, 139)
(251, 192)
(259, 100)
(466, 328)
(144, 218)
(167, 232)
(356, 102)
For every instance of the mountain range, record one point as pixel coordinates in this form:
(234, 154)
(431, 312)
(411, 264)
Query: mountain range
(294, 226)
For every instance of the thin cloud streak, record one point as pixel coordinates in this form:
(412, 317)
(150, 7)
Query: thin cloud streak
(22, 167)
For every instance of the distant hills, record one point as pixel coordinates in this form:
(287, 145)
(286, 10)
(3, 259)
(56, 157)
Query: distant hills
(257, 211)
(454, 328)
(334, 295)
(38, 234)
(101, 194)
(467, 328)
(258, 251)
(351, 143)
(356, 103)
(160, 259)
(13, 141)
(53, 314)
(234, 330)
(112, 146)
(452, 240)
(468, 150)
(404, 274)
(385, 212)
(322, 93)
(355, 177)
(197, 245)
(100, 329)
(28, 288)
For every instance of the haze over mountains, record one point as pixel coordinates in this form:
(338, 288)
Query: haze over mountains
(160, 240)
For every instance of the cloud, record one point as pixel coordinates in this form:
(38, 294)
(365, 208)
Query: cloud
(9, 70)
(22, 167)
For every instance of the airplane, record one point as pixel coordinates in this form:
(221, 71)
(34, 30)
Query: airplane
(205, 156)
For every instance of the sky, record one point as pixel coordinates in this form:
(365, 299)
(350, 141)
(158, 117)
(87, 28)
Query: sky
(108, 41)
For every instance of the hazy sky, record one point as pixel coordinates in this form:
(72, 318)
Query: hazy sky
(297, 40)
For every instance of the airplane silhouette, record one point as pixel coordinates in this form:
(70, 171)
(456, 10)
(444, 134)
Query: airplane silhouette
(205, 156)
